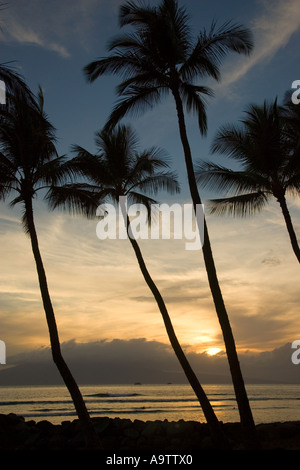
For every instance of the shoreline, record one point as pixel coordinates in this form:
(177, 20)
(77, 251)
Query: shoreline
(117, 434)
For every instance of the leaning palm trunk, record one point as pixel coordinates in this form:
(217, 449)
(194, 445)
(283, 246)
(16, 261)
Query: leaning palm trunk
(246, 417)
(289, 226)
(83, 415)
(214, 425)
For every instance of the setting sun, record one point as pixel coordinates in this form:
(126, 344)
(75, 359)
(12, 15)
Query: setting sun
(213, 351)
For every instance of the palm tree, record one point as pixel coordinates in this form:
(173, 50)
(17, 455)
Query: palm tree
(121, 172)
(159, 57)
(264, 144)
(29, 163)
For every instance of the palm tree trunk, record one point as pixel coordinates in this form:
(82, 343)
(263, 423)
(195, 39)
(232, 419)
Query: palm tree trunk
(246, 417)
(214, 425)
(289, 225)
(83, 415)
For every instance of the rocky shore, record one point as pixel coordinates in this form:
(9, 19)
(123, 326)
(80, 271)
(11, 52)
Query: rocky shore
(125, 435)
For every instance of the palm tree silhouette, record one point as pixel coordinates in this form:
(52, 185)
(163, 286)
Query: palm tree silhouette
(159, 57)
(120, 173)
(29, 163)
(266, 145)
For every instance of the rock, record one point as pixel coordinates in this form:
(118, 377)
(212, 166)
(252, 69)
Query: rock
(101, 424)
(173, 429)
(207, 443)
(139, 425)
(118, 434)
(132, 433)
(288, 430)
(44, 426)
(151, 429)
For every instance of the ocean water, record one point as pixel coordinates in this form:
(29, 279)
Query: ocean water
(269, 403)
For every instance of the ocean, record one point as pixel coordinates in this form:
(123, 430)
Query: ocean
(269, 403)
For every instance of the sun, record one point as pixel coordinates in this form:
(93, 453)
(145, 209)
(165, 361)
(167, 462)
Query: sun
(213, 351)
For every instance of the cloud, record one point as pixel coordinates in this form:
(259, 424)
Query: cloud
(97, 287)
(271, 261)
(272, 31)
(139, 360)
(23, 26)
(53, 25)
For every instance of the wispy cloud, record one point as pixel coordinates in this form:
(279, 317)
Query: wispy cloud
(55, 25)
(25, 35)
(272, 31)
(98, 291)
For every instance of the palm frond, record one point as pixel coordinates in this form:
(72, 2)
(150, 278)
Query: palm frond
(150, 77)
(8, 184)
(176, 27)
(24, 221)
(144, 164)
(15, 84)
(57, 171)
(135, 14)
(194, 97)
(241, 206)
(138, 99)
(292, 184)
(229, 37)
(122, 141)
(153, 159)
(232, 142)
(85, 162)
(166, 181)
(199, 65)
(144, 201)
(76, 198)
(220, 178)
(124, 63)
(128, 45)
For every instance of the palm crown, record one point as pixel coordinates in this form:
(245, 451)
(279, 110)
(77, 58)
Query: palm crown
(120, 169)
(160, 56)
(27, 143)
(266, 145)
(29, 160)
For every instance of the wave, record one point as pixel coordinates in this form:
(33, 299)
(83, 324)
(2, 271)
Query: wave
(108, 395)
(50, 414)
(134, 398)
(34, 402)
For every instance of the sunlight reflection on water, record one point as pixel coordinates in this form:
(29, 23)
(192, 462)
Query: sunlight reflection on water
(269, 403)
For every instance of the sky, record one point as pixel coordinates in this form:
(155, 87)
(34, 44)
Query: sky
(97, 290)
